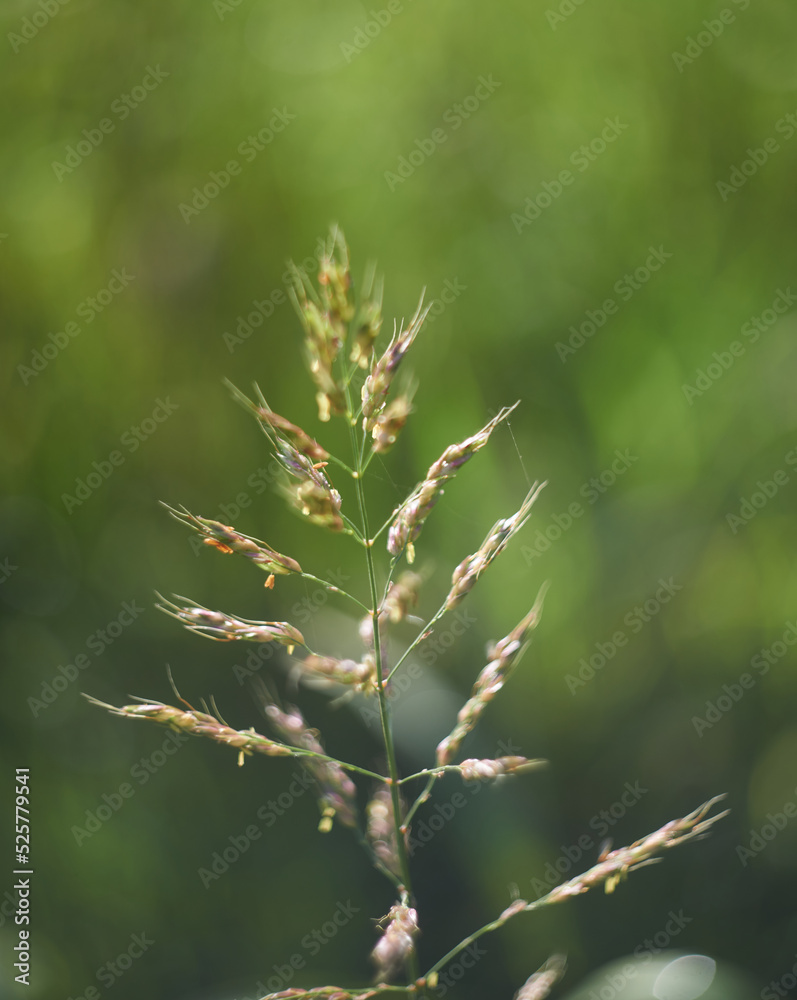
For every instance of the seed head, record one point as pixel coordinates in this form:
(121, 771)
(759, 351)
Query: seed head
(359, 676)
(503, 658)
(416, 508)
(389, 423)
(224, 628)
(470, 569)
(397, 942)
(481, 770)
(369, 319)
(382, 830)
(337, 798)
(310, 491)
(538, 986)
(226, 539)
(200, 724)
(377, 384)
(325, 315)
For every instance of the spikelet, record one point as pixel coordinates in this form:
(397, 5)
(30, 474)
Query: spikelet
(310, 491)
(325, 315)
(369, 319)
(416, 508)
(245, 741)
(359, 676)
(337, 798)
(396, 945)
(470, 569)
(226, 539)
(381, 829)
(539, 985)
(275, 426)
(490, 681)
(224, 628)
(377, 385)
(483, 770)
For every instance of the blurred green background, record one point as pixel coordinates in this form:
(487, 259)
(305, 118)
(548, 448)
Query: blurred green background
(116, 119)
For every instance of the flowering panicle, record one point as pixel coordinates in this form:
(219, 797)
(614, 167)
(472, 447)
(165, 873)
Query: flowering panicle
(539, 985)
(337, 793)
(246, 741)
(377, 385)
(483, 770)
(359, 676)
(503, 657)
(224, 628)
(416, 508)
(226, 539)
(396, 945)
(369, 319)
(325, 316)
(345, 364)
(470, 569)
(382, 827)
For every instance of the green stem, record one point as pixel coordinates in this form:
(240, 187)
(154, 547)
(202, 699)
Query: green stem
(335, 590)
(487, 928)
(381, 682)
(301, 752)
(421, 798)
(432, 772)
(418, 638)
